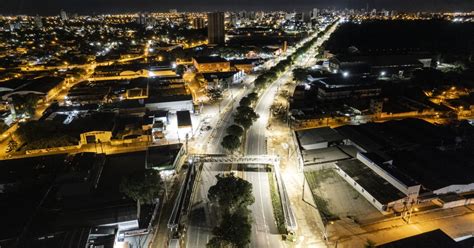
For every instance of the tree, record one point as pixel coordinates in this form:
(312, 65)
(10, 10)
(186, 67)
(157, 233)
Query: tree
(246, 112)
(300, 74)
(245, 116)
(25, 104)
(219, 242)
(47, 134)
(230, 142)
(253, 96)
(180, 69)
(245, 101)
(214, 94)
(231, 193)
(142, 186)
(235, 130)
(234, 230)
(246, 123)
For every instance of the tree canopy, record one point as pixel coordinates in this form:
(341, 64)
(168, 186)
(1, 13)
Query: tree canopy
(25, 104)
(142, 186)
(230, 142)
(234, 230)
(246, 112)
(253, 96)
(300, 74)
(245, 101)
(231, 193)
(244, 122)
(235, 130)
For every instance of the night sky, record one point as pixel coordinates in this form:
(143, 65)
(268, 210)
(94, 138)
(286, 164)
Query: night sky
(52, 7)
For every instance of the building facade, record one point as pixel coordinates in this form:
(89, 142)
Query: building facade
(216, 28)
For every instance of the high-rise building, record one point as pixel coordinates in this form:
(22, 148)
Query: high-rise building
(63, 15)
(198, 23)
(216, 28)
(306, 17)
(38, 22)
(315, 13)
(142, 19)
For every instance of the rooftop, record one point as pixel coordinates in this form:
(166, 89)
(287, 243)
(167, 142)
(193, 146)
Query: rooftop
(434, 239)
(184, 118)
(375, 185)
(381, 60)
(324, 155)
(209, 59)
(436, 169)
(336, 82)
(318, 135)
(420, 151)
(42, 84)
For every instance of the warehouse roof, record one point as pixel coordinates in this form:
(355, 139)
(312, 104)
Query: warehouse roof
(375, 185)
(318, 135)
(434, 239)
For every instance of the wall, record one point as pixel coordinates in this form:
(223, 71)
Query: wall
(212, 67)
(379, 206)
(320, 145)
(298, 150)
(457, 188)
(172, 107)
(463, 202)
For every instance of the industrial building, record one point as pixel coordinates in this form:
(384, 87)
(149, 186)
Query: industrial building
(395, 165)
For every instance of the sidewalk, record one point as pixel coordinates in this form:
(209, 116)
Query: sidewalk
(309, 233)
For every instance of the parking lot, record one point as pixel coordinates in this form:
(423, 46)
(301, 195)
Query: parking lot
(336, 199)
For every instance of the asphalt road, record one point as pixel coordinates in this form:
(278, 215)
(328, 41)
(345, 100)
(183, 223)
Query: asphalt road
(202, 219)
(264, 229)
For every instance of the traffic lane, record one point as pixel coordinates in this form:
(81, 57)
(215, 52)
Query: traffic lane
(202, 219)
(264, 229)
(256, 142)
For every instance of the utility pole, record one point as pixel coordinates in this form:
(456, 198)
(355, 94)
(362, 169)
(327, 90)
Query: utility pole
(187, 137)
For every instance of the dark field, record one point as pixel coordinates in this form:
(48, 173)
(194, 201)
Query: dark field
(433, 36)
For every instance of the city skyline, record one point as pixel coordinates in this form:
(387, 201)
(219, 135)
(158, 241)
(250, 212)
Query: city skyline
(149, 124)
(52, 7)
